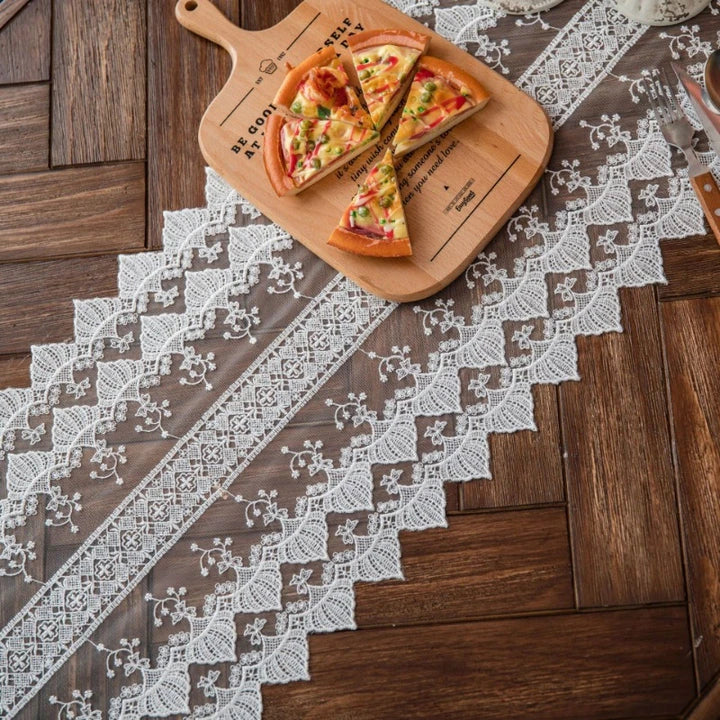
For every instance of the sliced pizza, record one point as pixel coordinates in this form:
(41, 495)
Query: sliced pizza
(299, 152)
(320, 88)
(374, 222)
(384, 60)
(441, 96)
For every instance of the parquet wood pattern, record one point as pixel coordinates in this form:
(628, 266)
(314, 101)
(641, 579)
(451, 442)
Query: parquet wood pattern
(98, 81)
(177, 89)
(621, 503)
(533, 667)
(9, 9)
(25, 45)
(107, 213)
(691, 267)
(692, 337)
(581, 582)
(24, 128)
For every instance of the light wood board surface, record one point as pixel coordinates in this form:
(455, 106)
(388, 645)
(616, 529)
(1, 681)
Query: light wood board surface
(458, 190)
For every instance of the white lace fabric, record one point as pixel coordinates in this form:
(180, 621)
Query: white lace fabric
(238, 437)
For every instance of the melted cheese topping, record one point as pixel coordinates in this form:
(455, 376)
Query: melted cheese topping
(376, 210)
(324, 93)
(309, 146)
(382, 71)
(431, 101)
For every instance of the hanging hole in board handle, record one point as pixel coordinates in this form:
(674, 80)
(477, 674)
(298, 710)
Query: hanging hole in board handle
(191, 5)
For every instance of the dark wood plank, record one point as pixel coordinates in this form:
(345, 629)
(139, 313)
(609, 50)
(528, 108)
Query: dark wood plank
(692, 338)
(178, 95)
(24, 128)
(590, 666)
(25, 45)
(36, 298)
(452, 498)
(486, 564)
(9, 9)
(691, 267)
(623, 516)
(107, 212)
(526, 466)
(98, 81)
(261, 15)
(15, 371)
(708, 706)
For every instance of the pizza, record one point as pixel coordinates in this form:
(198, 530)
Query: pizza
(384, 60)
(321, 125)
(374, 222)
(319, 87)
(441, 96)
(298, 152)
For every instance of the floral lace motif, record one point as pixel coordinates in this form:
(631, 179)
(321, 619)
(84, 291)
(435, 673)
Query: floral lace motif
(161, 508)
(213, 453)
(580, 58)
(123, 387)
(464, 25)
(417, 502)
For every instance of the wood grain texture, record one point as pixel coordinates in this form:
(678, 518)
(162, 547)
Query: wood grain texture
(36, 298)
(25, 45)
(98, 81)
(692, 339)
(628, 664)
(178, 94)
(708, 706)
(706, 189)
(691, 267)
(107, 213)
(24, 128)
(8, 10)
(526, 466)
(623, 516)
(261, 15)
(489, 564)
(15, 371)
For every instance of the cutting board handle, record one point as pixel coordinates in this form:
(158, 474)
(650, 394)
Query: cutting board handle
(203, 18)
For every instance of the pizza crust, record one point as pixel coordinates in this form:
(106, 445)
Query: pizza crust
(359, 244)
(273, 157)
(289, 88)
(373, 38)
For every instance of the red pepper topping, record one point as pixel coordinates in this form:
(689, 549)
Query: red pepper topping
(422, 74)
(458, 102)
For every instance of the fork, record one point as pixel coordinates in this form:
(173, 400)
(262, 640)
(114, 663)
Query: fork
(678, 132)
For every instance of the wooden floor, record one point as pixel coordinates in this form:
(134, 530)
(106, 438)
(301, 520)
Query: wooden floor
(599, 571)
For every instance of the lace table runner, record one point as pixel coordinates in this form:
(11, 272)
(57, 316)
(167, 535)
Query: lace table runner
(197, 482)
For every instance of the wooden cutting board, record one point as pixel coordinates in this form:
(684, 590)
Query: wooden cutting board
(458, 191)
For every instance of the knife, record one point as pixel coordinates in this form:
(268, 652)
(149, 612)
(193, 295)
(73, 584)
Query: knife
(710, 121)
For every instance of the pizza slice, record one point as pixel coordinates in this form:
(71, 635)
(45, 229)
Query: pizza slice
(384, 60)
(374, 222)
(299, 152)
(441, 96)
(320, 88)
